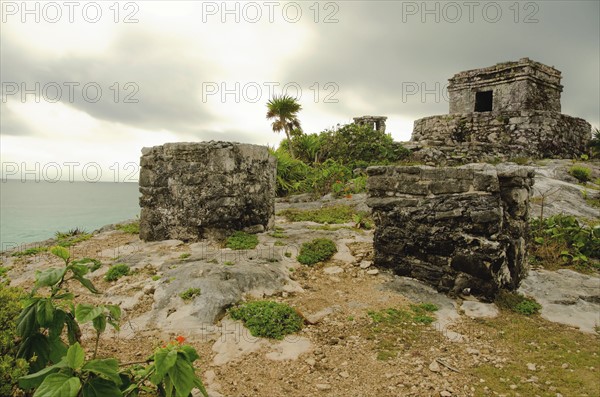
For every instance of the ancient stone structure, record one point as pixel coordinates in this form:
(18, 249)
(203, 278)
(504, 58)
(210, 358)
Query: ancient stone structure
(375, 122)
(501, 112)
(192, 191)
(454, 228)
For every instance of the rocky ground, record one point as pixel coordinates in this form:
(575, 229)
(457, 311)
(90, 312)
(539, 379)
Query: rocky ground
(472, 349)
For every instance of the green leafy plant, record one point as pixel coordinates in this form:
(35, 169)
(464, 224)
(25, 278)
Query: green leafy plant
(11, 367)
(268, 319)
(117, 271)
(185, 255)
(241, 241)
(583, 174)
(563, 239)
(317, 250)
(190, 294)
(48, 322)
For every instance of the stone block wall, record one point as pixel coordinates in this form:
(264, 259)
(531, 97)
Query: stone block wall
(454, 228)
(471, 137)
(520, 85)
(191, 191)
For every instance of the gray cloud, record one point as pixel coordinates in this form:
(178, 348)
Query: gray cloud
(12, 124)
(165, 84)
(373, 54)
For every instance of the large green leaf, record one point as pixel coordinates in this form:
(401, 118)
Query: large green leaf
(27, 322)
(106, 368)
(190, 353)
(44, 312)
(79, 269)
(58, 324)
(98, 387)
(99, 323)
(58, 385)
(75, 356)
(86, 283)
(85, 313)
(61, 252)
(57, 349)
(164, 359)
(36, 344)
(182, 375)
(49, 277)
(34, 380)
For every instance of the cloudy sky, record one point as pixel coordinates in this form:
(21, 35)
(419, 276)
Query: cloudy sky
(86, 85)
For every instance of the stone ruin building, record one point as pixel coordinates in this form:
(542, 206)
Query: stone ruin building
(192, 191)
(459, 229)
(377, 123)
(501, 112)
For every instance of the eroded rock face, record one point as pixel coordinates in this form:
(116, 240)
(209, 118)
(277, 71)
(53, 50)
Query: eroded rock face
(192, 191)
(453, 228)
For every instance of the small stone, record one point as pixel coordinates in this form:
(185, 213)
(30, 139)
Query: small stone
(513, 387)
(434, 366)
(365, 264)
(333, 270)
(565, 366)
(310, 361)
(531, 367)
(323, 386)
(373, 272)
(344, 374)
(445, 393)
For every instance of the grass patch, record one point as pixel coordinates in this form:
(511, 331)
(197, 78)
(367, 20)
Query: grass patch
(229, 263)
(336, 214)
(268, 319)
(242, 241)
(564, 358)
(278, 234)
(517, 303)
(317, 250)
(190, 294)
(395, 330)
(581, 173)
(185, 255)
(30, 251)
(131, 228)
(117, 271)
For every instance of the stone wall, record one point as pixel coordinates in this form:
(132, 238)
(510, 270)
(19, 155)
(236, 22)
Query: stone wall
(471, 137)
(520, 85)
(377, 123)
(192, 191)
(454, 228)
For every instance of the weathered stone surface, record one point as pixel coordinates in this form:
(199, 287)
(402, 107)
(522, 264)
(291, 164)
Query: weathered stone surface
(376, 122)
(524, 84)
(194, 190)
(466, 229)
(505, 111)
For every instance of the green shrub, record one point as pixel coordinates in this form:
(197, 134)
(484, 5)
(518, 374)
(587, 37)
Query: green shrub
(292, 174)
(517, 303)
(189, 294)
(242, 241)
(11, 368)
(131, 228)
(563, 237)
(117, 271)
(268, 319)
(583, 174)
(317, 250)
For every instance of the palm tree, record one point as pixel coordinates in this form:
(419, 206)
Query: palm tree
(284, 110)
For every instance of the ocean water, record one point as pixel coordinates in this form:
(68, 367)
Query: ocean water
(33, 211)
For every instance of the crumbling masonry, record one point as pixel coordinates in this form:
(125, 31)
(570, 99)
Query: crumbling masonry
(461, 230)
(192, 191)
(501, 112)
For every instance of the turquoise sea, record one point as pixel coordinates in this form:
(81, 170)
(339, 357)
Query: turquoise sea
(33, 211)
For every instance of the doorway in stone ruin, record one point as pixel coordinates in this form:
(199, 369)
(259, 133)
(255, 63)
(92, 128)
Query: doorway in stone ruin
(483, 101)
